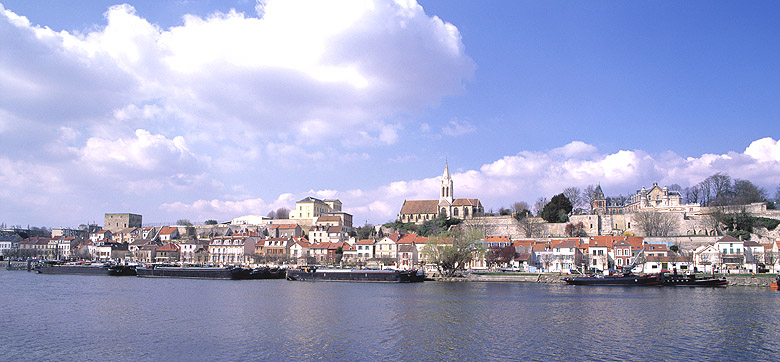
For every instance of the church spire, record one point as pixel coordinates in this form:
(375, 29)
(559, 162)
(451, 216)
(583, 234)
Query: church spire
(446, 197)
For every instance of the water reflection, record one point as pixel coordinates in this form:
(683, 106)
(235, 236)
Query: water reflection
(60, 317)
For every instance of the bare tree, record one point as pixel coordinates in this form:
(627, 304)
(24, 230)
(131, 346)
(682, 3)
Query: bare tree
(654, 223)
(575, 196)
(539, 206)
(745, 192)
(692, 194)
(531, 226)
(282, 213)
(521, 207)
(589, 195)
(271, 214)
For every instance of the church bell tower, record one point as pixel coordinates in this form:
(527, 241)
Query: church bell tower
(446, 196)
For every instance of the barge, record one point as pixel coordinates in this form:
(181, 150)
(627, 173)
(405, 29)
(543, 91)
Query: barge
(616, 280)
(679, 280)
(192, 272)
(356, 275)
(86, 269)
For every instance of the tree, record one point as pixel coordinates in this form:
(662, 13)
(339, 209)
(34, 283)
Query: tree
(692, 194)
(557, 210)
(211, 222)
(745, 192)
(271, 214)
(521, 207)
(654, 223)
(539, 206)
(575, 230)
(364, 232)
(282, 213)
(496, 256)
(183, 222)
(452, 251)
(589, 195)
(575, 197)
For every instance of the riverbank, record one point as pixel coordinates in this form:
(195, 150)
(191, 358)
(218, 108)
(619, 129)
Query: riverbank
(734, 280)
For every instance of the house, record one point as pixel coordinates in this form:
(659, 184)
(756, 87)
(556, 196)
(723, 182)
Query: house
(168, 253)
(497, 241)
(731, 253)
(349, 253)
(190, 248)
(386, 247)
(407, 256)
(542, 255)
(284, 231)
(232, 250)
(365, 249)
(146, 253)
(319, 252)
(276, 249)
(706, 259)
(100, 235)
(312, 208)
(36, 246)
(168, 233)
(409, 251)
(9, 244)
(299, 250)
(754, 254)
(522, 261)
(598, 255)
(623, 255)
(566, 255)
(656, 250)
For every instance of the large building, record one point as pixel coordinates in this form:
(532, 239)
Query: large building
(655, 199)
(419, 211)
(116, 222)
(312, 208)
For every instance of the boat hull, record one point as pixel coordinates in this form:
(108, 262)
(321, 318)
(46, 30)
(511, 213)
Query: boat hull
(692, 281)
(73, 269)
(355, 275)
(610, 280)
(193, 273)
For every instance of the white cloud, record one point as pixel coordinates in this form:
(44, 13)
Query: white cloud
(458, 128)
(764, 150)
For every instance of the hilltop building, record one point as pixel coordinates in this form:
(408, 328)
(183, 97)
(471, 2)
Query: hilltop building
(654, 199)
(419, 211)
(116, 222)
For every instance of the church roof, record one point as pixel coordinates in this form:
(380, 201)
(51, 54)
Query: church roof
(466, 202)
(420, 207)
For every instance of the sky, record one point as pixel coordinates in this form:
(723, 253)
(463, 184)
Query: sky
(217, 109)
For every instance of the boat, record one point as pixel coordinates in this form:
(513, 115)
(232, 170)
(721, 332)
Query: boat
(673, 280)
(616, 280)
(85, 269)
(265, 272)
(774, 284)
(356, 275)
(157, 271)
(626, 278)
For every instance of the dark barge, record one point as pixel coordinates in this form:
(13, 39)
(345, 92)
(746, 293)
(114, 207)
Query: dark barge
(680, 280)
(616, 280)
(86, 269)
(356, 275)
(155, 271)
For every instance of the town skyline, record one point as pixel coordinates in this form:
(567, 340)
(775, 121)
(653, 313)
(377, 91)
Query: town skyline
(174, 116)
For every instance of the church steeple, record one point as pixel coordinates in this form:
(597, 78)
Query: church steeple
(446, 186)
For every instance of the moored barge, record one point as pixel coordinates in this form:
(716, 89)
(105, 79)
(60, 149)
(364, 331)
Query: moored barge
(192, 272)
(356, 275)
(86, 269)
(616, 280)
(680, 280)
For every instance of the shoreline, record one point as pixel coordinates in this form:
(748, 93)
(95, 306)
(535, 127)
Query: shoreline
(736, 281)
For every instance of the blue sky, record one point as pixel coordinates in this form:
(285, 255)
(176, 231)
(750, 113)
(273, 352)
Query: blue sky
(192, 110)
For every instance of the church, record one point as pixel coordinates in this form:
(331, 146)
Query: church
(420, 211)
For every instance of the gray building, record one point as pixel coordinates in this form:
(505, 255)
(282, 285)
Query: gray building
(117, 222)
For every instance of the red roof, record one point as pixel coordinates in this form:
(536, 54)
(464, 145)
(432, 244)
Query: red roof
(365, 242)
(169, 247)
(497, 238)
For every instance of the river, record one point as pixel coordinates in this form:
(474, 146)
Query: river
(100, 318)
